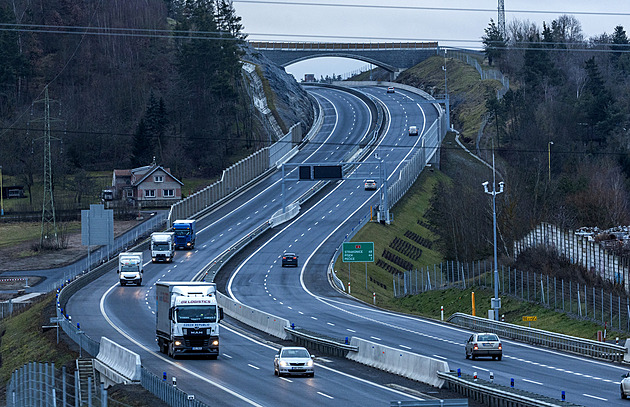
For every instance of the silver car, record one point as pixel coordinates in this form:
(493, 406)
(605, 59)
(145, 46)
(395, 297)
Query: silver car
(484, 344)
(293, 361)
(625, 386)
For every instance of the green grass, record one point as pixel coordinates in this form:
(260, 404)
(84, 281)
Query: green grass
(23, 340)
(407, 212)
(460, 300)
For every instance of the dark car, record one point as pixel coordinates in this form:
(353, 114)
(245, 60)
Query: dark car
(289, 260)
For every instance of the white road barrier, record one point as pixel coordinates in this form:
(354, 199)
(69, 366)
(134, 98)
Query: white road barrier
(410, 365)
(117, 364)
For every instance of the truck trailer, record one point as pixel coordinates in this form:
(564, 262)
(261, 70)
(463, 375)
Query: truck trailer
(162, 246)
(187, 318)
(130, 268)
(185, 233)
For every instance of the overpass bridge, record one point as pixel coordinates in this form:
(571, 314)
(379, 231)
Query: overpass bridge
(391, 56)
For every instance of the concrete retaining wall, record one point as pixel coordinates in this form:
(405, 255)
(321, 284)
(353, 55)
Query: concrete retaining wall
(400, 362)
(260, 320)
(117, 364)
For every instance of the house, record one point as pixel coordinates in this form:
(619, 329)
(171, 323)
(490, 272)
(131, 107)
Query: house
(151, 185)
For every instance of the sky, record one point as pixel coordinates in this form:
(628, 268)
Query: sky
(453, 23)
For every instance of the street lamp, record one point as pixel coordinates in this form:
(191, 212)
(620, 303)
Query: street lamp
(1, 195)
(496, 301)
(549, 155)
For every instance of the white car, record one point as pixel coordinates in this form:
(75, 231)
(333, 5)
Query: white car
(390, 89)
(293, 360)
(413, 130)
(625, 386)
(370, 185)
(484, 344)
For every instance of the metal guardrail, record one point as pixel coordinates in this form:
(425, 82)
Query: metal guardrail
(320, 344)
(587, 347)
(493, 394)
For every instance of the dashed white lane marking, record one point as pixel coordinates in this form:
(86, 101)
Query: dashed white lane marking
(594, 397)
(350, 330)
(405, 347)
(227, 356)
(480, 368)
(314, 318)
(287, 380)
(532, 382)
(325, 395)
(253, 367)
(375, 338)
(330, 323)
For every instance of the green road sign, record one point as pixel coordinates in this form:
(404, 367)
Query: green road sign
(354, 252)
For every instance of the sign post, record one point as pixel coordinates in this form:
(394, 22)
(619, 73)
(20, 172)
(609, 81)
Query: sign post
(355, 252)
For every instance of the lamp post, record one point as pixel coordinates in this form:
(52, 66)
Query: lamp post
(1, 195)
(496, 301)
(549, 156)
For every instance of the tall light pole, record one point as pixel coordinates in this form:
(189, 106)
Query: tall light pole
(1, 197)
(496, 301)
(549, 156)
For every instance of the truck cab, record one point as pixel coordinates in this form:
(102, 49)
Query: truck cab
(185, 232)
(130, 268)
(162, 246)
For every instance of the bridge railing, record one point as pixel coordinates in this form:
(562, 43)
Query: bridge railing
(340, 46)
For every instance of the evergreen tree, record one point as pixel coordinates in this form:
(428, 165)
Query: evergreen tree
(621, 49)
(142, 148)
(597, 103)
(493, 42)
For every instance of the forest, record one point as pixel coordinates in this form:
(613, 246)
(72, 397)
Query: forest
(118, 83)
(560, 137)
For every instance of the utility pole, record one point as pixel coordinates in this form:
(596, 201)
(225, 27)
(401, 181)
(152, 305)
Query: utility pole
(496, 301)
(49, 224)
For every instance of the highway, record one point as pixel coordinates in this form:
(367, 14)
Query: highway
(244, 372)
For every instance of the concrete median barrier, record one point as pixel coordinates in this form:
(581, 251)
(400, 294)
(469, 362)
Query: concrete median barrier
(260, 320)
(407, 364)
(117, 364)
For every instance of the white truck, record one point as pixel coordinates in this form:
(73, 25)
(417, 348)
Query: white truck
(130, 268)
(187, 318)
(162, 246)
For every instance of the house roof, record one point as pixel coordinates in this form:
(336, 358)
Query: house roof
(150, 169)
(122, 173)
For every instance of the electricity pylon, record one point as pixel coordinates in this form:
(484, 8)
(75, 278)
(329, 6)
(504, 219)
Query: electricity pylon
(502, 18)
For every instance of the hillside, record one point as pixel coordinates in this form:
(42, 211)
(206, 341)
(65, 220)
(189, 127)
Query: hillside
(140, 80)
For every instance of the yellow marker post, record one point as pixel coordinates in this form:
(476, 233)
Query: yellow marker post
(474, 314)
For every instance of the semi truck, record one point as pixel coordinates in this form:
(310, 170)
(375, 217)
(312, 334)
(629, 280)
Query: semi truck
(185, 233)
(162, 246)
(187, 318)
(130, 268)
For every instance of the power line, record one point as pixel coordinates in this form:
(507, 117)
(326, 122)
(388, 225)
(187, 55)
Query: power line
(428, 8)
(265, 140)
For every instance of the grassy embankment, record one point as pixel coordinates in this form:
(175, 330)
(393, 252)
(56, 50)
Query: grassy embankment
(468, 93)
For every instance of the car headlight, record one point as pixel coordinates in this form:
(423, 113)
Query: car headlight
(215, 342)
(177, 343)
(309, 363)
(282, 363)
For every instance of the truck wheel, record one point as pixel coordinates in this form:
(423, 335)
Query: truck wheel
(140, 283)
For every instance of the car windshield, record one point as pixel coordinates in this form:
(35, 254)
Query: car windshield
(161, 246)
(184, 232)
(196, 313)
(289, 255)
(129, 268)
(488, 338)
(295, 353)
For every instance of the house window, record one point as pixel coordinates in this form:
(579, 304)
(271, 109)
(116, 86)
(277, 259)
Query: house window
(130, 193)
(158, 178)
(169, 193)
(149, 193)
